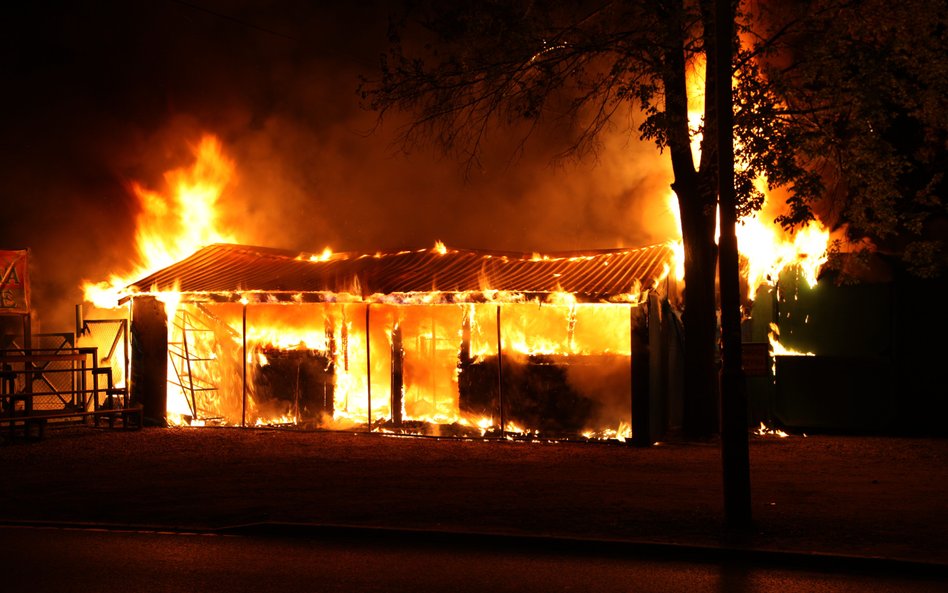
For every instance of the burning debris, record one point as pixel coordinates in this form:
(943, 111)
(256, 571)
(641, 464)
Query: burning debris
(298, 382)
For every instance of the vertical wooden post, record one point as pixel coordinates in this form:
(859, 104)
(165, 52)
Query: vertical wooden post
(500, 378)
(658, 393)
(27, 347)
(734, 446)
(398, 358)
(329, 392)
(80, 322)
(243, 351)
(126, 330)
(149, 380)
(571, 328)
(465, 355)
(639, 361)
(432, 384)
(27, 331)
(344, 336)
(368, 368)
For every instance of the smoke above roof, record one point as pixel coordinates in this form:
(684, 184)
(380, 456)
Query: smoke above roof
(105, 94)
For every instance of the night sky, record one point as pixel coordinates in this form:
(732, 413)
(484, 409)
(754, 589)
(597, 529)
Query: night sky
(100, 94)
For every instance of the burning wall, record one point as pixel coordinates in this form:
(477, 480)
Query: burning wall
(434, 339)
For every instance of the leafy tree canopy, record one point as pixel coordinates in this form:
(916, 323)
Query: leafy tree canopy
(866, 84)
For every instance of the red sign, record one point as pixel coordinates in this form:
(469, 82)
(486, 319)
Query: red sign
(14, 282)
(756, 359)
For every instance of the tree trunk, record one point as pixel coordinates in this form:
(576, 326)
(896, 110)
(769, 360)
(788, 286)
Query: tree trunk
(697, 203)
(735, 462)
(699, 418)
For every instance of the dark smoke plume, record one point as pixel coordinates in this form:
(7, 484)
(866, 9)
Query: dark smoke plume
(101, 94)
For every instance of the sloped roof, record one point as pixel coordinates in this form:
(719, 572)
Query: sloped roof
(225, 271)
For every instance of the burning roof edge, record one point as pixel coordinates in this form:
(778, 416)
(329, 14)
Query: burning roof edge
(231, 272)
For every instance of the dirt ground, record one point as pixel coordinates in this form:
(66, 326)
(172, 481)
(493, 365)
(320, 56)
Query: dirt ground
(883, 497)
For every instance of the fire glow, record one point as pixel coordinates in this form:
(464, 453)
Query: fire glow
(765, 247)
(171, 225)
(257, 360)
(308, 362)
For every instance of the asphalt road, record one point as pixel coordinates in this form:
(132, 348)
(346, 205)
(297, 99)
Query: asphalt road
(104, 561)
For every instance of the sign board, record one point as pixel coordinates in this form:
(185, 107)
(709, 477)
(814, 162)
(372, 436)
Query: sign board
(755, 359)
(14, 282)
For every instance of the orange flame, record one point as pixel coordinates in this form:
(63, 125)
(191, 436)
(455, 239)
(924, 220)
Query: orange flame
(768, 250)
(173, 224)
(764, 245)
(764, 430)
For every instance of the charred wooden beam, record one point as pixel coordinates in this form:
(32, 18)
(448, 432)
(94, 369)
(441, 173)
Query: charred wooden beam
(398, 363)
(329, 326)
(464, 357)
(243, 366)
(500, 377)
(344, 337)
(368, 368)
(640, 363)
(658, 396)
(149, 379)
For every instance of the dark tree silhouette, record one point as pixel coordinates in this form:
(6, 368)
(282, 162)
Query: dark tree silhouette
(866, 84)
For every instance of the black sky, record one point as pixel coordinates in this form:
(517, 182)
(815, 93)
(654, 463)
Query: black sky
(101, 93)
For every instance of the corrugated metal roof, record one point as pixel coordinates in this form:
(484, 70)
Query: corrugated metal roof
(464, 274)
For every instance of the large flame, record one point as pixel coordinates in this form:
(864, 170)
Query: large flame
(173, 223)
(765, 247)
(768, 249)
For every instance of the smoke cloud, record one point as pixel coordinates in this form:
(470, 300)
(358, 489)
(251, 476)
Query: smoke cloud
(106, 93)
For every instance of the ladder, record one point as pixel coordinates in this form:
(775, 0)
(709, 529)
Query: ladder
(191, 365)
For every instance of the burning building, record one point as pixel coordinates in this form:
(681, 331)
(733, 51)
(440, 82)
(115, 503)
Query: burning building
(431, 340)
(446, 341)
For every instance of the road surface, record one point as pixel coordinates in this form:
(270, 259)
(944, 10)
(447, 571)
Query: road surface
(104, 561)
